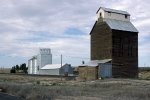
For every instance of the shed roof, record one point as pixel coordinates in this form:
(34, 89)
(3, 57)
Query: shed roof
(52, 66)
(94, 63)
(113, 11)
(120, 25)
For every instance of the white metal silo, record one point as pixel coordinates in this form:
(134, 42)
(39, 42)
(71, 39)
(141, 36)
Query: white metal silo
(44, 57)
(30, 66)
(34, 65)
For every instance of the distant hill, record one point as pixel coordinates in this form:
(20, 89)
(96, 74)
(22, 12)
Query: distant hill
(144, 68)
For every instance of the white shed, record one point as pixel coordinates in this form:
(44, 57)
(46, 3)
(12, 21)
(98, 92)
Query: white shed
(56, 69)
(50, 69)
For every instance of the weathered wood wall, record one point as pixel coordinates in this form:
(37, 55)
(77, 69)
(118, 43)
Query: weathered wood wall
(124, 54)
(120, 46)
(101, 42)
(88, 73)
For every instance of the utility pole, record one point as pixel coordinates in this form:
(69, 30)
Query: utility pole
(61, 65)
(61, 60)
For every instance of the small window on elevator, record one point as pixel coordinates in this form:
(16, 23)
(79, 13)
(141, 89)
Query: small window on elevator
(126, 16)
(100, 14)
(109, 13)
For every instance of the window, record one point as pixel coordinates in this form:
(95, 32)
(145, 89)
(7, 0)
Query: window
(38, 68)
(109, 13)
(126, 16)
(100, 14)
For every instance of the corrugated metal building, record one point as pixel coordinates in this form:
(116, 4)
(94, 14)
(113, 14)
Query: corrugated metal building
(37, 62)
(44, 57)
(56, 69)
(95, 69)
(114, 37)
(32, 65)
(42, 65)
(105, 70)
(66, 70)
(50, 69)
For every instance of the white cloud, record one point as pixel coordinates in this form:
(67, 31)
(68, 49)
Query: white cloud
(27, 25)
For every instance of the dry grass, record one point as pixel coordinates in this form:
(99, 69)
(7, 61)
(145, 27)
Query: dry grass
(45, 88)
(144, 75)
(5, 70)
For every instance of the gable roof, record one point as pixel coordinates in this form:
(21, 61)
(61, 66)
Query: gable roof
(66, 65)
(52, 66)
(113, 11)
(116, 25)
(94, 63)
(121, 25)
(55, 66)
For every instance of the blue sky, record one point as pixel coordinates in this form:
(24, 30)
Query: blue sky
(63, 26)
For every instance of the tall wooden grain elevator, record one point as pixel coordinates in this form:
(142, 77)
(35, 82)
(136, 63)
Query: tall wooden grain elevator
(114, 37)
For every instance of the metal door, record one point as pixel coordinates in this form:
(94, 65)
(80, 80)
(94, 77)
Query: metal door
(105, 70)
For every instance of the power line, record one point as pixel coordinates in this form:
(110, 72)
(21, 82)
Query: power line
(53, 55)
(73, 57)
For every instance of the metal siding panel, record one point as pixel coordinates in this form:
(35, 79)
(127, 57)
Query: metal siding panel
(121, 25)
(66, 69)
(105, 70)
(49, 72)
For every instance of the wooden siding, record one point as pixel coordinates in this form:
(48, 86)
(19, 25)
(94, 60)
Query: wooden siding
(101, 41)
(88, 73)
(125, 54)
(120, 46)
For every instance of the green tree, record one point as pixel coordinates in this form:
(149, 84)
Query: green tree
(13, 70)
(24, 68)
(17, 67)
(21, 67)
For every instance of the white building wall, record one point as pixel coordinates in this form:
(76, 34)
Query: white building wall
(102, 14)
(116, 16)
(112, 15)
(44, 57)
(49, 71)
(35, 66)
(30, 66)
